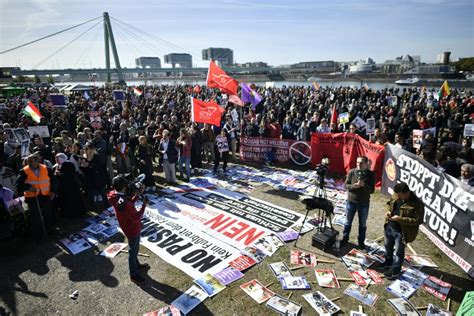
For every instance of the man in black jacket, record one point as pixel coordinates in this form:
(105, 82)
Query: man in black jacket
(169, 156)
(360, 184)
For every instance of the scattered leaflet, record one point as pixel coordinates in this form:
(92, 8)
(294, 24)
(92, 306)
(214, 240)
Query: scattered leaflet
(294, 283)
(283, 306)
(75, 243)
(303, 258)
(242, 263)
(210, 284)
(228, 275)
(403, 307)
(187, 301)
(327, 278)
(257, 291)
(268, 244)
(361, 294)
(280, 269)
(401, 289)
(321, 303)
(437, 287)
(414, 277)
(113, 250)
(420, 261)
(165, 311)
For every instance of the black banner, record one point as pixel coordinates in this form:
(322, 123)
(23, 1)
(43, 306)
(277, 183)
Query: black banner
(254, 211)
(449, 203)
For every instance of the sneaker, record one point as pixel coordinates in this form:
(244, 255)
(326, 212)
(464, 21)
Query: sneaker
(143, 266)
(137, 279)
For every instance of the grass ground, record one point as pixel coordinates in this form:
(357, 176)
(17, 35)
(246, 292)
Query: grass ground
(37, 277)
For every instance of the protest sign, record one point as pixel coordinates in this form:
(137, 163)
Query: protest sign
(42, 131)
(344, 118)
(448, 203)
(370, 128)
(469, 130)
(222, 144)
(359, 123)
(342, 149)
(96, 121)
(58, 100)
(118, 95)
(286, 150)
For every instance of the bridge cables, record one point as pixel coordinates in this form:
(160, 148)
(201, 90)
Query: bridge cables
(47, 36)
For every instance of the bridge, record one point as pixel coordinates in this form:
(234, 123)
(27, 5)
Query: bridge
(125, 29)
(231, 70)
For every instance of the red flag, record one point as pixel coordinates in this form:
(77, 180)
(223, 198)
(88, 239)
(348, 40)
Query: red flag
(334, 116)
(206, 112)
(217, 78)
(236, 100)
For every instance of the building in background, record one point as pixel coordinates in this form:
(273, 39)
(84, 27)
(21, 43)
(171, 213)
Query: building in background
(223, 56)
(318, 66)
(148, 62)
(180, 59)
(255, 64)
(362, 66)
(400, 64)
(443, 58)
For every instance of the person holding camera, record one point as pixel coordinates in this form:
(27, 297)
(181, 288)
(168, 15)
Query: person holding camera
(130, 222)
(360, 184)
(405, 213)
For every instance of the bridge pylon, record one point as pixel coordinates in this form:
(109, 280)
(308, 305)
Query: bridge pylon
(109, 40)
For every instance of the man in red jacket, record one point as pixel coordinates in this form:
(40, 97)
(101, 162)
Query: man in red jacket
(130, 221)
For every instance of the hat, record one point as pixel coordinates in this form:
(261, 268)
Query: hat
(60, 158)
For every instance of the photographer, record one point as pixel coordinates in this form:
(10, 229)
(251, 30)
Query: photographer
(360, 184)
(405, 213)
(130, 222)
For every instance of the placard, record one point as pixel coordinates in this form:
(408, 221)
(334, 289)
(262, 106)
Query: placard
(370, 126)
(469, 130)
(42, 131)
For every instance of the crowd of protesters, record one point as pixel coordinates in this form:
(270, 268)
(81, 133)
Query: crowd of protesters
(154, 130)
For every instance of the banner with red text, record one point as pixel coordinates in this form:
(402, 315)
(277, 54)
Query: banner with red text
(449, 219)
(201, 232)
(284, 150)
(342, 149)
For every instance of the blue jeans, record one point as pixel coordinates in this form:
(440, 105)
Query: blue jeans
(133, 245)
(394, 243)
(351, 209)
(186, 161)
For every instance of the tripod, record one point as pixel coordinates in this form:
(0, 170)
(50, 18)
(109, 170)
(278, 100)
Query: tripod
(319, 193)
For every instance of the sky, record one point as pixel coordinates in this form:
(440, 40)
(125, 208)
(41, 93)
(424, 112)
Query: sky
(274, 31)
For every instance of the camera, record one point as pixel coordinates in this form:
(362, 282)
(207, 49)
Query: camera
(322, 169)
(135, 185)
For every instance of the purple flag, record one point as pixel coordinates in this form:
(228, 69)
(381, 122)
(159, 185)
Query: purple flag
(249, 95)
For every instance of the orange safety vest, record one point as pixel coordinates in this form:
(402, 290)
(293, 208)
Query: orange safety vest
(41, 183)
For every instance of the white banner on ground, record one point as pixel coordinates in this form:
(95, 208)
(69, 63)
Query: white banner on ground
(201, 232)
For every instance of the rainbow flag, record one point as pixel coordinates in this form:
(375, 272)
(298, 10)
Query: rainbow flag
(316, 85)
(32, 111)
(444, 90)
(137, 92)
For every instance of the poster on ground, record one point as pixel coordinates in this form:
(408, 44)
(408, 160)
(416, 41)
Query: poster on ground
(205, 231)
(448, 219)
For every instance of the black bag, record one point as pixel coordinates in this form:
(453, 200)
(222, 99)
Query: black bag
(325, 239)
